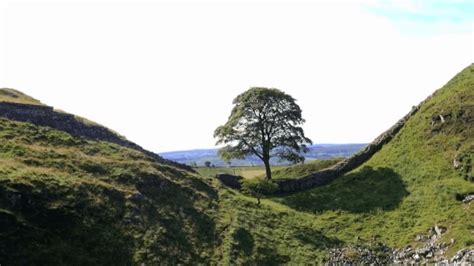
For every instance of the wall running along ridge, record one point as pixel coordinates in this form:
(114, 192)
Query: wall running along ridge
(47, 116)
(325, 176)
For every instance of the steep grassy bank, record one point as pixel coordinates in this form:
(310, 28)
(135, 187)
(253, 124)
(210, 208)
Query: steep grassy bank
(68, 200)
(412, 183)
(402, 192)
(14, 96)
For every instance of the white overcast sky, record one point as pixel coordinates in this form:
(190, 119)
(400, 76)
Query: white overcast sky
(164, 74)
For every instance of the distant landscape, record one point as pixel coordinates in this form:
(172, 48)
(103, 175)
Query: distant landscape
(199, 157)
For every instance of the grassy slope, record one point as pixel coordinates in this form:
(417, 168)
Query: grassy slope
(302, 170)
(86, 188)
(278, 171)
(406, 188)
(243, 171)
(11, 95)
(66, 200)
(411, 183)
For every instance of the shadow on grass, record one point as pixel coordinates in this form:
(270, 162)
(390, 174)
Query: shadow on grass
(243, 241)
(45, 222)
(269, 256)
(363, 191)
(317, 239)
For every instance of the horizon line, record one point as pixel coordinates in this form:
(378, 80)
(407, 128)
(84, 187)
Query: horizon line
(216, 148)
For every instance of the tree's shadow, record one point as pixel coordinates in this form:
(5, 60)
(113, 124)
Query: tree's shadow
(363, 191)
(243, 241)
(244, 246)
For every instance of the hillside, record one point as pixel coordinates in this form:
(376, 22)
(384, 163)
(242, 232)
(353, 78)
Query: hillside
(14, 96)
(67, 198)
(413, 183)
(72, 199)
(302, 170)
(402, 205)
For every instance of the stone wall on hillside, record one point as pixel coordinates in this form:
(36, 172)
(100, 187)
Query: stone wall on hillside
(47, 116)
(325, 176)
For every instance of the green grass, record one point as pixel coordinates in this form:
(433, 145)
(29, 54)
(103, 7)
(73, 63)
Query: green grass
(302, 170)
(268, 234)
(278, 171)
(14, 96)
(405, 189)
(248, 172)
(411, 184)
(67, 200)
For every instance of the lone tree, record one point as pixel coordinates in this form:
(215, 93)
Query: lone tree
(264, 122)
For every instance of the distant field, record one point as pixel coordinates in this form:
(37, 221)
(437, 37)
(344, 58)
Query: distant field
(244, 171)
(278, 171)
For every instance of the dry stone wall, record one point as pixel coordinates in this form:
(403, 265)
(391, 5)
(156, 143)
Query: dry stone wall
(47, 116)
(325, 176)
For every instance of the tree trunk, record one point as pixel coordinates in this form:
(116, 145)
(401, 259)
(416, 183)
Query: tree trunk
(268, 171)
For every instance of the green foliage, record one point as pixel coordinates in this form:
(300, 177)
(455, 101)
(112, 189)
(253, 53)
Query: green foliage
(258, 187)
(263, 120)
(402, 191)
(65, 200)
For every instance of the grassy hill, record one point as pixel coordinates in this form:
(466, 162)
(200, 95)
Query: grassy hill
(302, 170)
(405, 189)
(413, 182)
(14, 96)
(66, 199)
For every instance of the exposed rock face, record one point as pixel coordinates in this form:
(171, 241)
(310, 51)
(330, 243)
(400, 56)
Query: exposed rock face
(468, 198)
(431, 252)
(359, 256)
(386, 256)
(325, 176)
(462, 162)
(46, 116)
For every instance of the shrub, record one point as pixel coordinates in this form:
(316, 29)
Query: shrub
(259, 187)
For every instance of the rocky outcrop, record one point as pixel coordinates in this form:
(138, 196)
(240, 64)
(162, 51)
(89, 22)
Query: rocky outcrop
(325, 176)
(468, 199)
(431, 252)
(384, 255)
(42, 115)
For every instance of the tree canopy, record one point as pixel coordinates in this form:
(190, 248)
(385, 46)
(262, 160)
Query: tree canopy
(266, 123)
